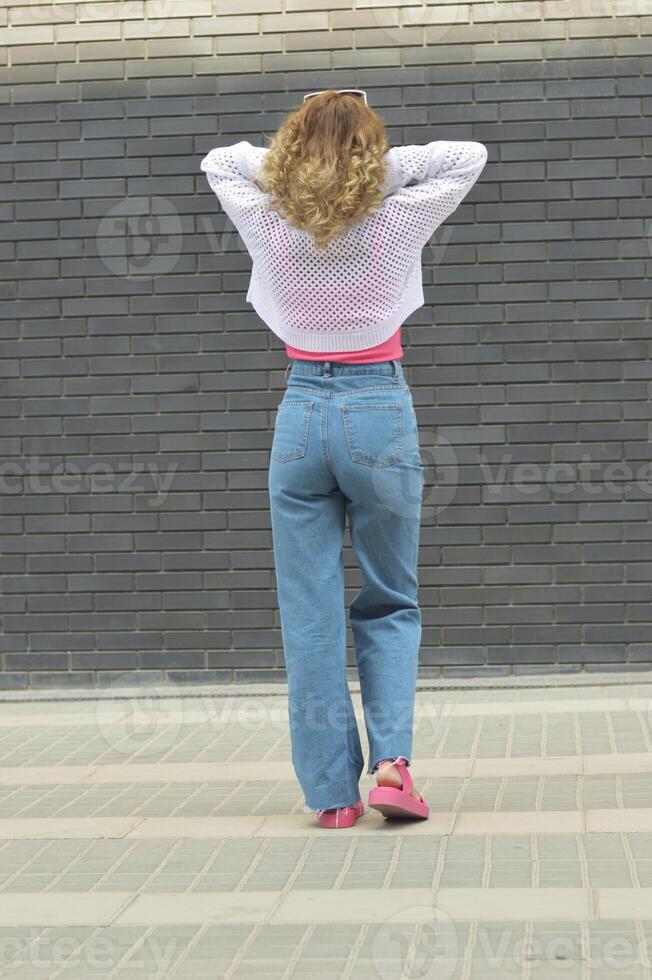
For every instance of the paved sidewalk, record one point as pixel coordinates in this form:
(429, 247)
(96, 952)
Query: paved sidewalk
(167, 837)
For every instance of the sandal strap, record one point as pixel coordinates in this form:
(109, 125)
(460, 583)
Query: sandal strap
(401, 764)
(406, 779)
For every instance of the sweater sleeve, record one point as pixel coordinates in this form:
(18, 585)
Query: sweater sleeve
(427, 182)
(231, 173)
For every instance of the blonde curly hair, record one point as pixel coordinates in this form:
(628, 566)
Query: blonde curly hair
(324, 167)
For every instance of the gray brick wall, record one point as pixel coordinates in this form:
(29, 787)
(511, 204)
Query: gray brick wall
(138, 389)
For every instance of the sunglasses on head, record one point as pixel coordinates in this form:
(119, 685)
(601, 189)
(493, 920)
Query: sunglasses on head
(350, 91)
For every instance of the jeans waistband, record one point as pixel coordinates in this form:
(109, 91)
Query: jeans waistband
(327, 369)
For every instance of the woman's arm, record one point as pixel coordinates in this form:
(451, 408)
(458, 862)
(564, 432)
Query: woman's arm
(231, 172)
(233, 164)
(427, 182)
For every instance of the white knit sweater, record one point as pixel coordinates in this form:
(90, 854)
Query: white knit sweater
(357, 291)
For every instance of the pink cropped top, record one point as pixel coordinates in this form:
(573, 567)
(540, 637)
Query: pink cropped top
(388, 350)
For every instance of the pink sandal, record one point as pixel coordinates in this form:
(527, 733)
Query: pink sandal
(393, 802)
(341, 816)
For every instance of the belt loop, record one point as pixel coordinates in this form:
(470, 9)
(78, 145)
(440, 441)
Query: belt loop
(395, 369)
(327, 369)
(288, 368)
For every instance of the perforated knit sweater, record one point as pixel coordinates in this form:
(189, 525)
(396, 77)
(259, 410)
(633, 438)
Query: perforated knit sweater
(358, 290)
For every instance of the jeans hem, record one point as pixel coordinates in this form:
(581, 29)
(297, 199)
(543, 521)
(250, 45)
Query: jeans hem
(330, 806)
(372, 768)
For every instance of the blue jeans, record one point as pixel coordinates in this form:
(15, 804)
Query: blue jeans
(346, 444)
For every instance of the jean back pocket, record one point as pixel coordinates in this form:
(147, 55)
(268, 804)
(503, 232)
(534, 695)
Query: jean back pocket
(291, 430)
(374, 432)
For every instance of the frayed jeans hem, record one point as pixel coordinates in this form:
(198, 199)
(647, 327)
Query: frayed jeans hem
(386, 758)
(331, 806)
